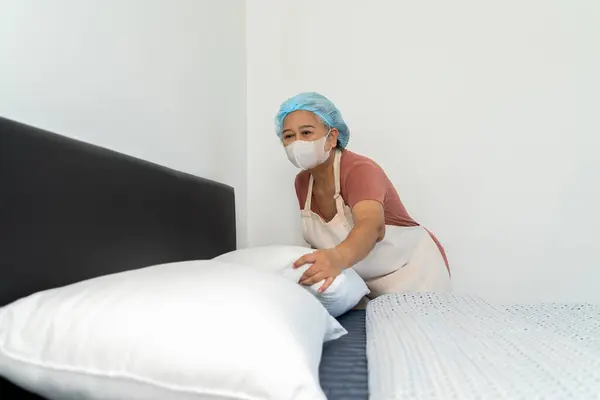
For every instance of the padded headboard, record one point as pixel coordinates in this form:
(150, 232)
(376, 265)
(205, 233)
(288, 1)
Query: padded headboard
(70, 211)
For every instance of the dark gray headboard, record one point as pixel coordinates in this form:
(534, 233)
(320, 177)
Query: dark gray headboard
(70, 211)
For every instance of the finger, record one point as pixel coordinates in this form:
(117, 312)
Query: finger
(326, 285)
(313, 269)
(318, 277)
(305, 259)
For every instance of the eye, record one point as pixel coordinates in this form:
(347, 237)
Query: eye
(305, 133)
(288, 136)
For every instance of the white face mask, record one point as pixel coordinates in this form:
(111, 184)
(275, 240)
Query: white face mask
(308, 154)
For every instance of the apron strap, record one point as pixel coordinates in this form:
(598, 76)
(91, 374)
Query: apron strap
(336, 172)
(307, 203)
(339, 201)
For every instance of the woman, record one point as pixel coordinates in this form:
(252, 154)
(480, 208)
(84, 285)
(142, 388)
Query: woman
(351, 212)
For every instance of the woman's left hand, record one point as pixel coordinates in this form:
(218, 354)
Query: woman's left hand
(326, 265)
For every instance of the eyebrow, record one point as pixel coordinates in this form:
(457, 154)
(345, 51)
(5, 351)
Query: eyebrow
(301, 127)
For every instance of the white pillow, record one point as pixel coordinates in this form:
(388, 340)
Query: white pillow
(193, 330)
(345, 292)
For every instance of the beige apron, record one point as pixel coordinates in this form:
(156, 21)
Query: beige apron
(406, 260)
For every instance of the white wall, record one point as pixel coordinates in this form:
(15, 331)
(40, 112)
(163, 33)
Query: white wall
(484, 114)
(162, 80)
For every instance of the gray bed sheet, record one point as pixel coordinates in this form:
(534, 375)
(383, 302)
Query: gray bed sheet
(344, 370)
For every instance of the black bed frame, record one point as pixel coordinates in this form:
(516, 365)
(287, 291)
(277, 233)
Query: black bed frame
(71, 211)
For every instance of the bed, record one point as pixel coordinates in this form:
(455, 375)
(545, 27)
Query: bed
(66, 203)
(71, 211)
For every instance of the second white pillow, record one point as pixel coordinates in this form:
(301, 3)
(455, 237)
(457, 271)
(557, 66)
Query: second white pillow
(345, 292)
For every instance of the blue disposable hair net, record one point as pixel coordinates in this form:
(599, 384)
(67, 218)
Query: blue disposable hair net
(322, 107)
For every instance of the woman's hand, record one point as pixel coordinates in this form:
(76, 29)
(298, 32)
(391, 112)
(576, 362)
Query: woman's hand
(326, 265)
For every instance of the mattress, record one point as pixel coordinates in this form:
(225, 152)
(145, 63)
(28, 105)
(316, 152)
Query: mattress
(449, 346)
(343, 371)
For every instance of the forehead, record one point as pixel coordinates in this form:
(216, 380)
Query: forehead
(301, 117)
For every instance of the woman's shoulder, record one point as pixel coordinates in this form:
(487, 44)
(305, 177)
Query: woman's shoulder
(361, 178)
(352, 162)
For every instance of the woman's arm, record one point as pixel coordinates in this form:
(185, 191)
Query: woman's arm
(369, 228)
(365, 189)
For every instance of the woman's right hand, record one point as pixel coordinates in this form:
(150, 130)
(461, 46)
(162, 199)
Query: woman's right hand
(326, 266)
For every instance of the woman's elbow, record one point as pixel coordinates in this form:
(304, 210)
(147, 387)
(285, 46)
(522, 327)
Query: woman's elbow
(380, 229)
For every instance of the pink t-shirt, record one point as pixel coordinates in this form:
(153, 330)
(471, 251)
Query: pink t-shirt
(363, 179)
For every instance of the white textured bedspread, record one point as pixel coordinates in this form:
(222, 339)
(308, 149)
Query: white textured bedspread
(429, 346)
